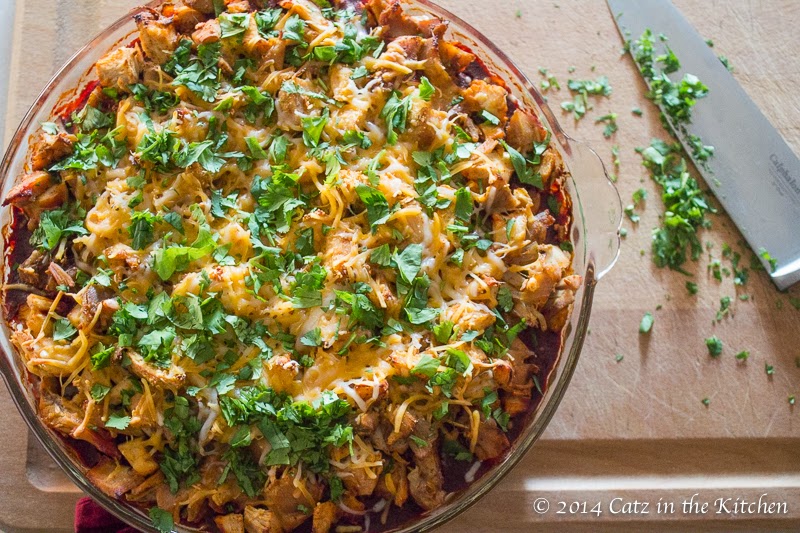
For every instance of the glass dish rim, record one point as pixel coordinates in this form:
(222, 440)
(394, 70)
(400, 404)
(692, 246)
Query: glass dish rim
(563, 368)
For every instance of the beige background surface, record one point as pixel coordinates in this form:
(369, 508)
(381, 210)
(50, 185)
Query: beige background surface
(634, 428)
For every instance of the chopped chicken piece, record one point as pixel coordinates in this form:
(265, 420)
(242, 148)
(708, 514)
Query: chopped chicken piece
(425, 481)
(113, 479)
(325, 515)
(135, 452)
(120, 68)
(203, 6)
(359, 483)
(283, 499)
(543, 275)
(50, 149)
(558, 309)
(488, 166)
(207, 32)
(469, 315)
(187, 18)
(483, 96)
(158, 38)
(492, 442)
(230, 523)
(293, 106)
(524, 128)
(168, 378)
(258, 520)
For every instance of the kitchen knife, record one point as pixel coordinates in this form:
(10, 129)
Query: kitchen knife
(753, 172)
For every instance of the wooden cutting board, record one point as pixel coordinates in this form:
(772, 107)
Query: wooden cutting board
(634, 429)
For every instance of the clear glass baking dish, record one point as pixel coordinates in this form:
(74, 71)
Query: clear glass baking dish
(595, 235)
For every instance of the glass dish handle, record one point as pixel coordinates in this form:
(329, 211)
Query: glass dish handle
(600, 207)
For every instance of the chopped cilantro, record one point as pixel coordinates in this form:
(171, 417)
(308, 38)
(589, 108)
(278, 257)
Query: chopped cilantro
(524, 173)
(57, 224)
(141, 229)
(233, 24)
(582, 89)
(490, 118)
(63, 329)
(610, 121)
(381, 255)
(765, 255)
(313, 128)
(99, 392)
(647, 323)
(162, 520)
(426, 366)
(395, 114)
(294, 29)
(312, 338)
(118, 422)
(714, 346)
(376, 203)
(102, 357)
(724, 307)
(504, 299)
(426, 90)
(408, 262)
(201, 74)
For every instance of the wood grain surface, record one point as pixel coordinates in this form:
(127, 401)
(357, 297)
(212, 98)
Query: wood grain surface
(635, 427)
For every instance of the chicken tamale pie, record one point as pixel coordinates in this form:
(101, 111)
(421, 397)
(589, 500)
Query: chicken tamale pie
(289, 266)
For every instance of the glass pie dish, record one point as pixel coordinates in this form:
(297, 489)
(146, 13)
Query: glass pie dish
(596, 214)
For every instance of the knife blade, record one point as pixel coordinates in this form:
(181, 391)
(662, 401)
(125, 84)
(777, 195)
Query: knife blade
(753, 172)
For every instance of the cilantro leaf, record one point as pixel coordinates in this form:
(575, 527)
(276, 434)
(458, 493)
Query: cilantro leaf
(102, 357)
(426, 89)
(141, 229)
(294, 29)
(381, 255)
(395, 114)
(233, 24)
(200, 74)
(647, 323)
(57, 224)
(426, 366)
(419, 316)
(376, 203)
(162, 520)
(610, 121)
(524, 173)
(266, 20)
(490, 118)
(505, 299)
(313, 128)
(118, 422)
(312, 338)
(63, 329)
(99, 391)
(277, 149)
(714, 346)
(361, 310)
(409, 262)
(256, 151)
(464, 205)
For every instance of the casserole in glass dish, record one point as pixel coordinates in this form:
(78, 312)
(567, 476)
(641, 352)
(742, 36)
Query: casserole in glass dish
(593, 237)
